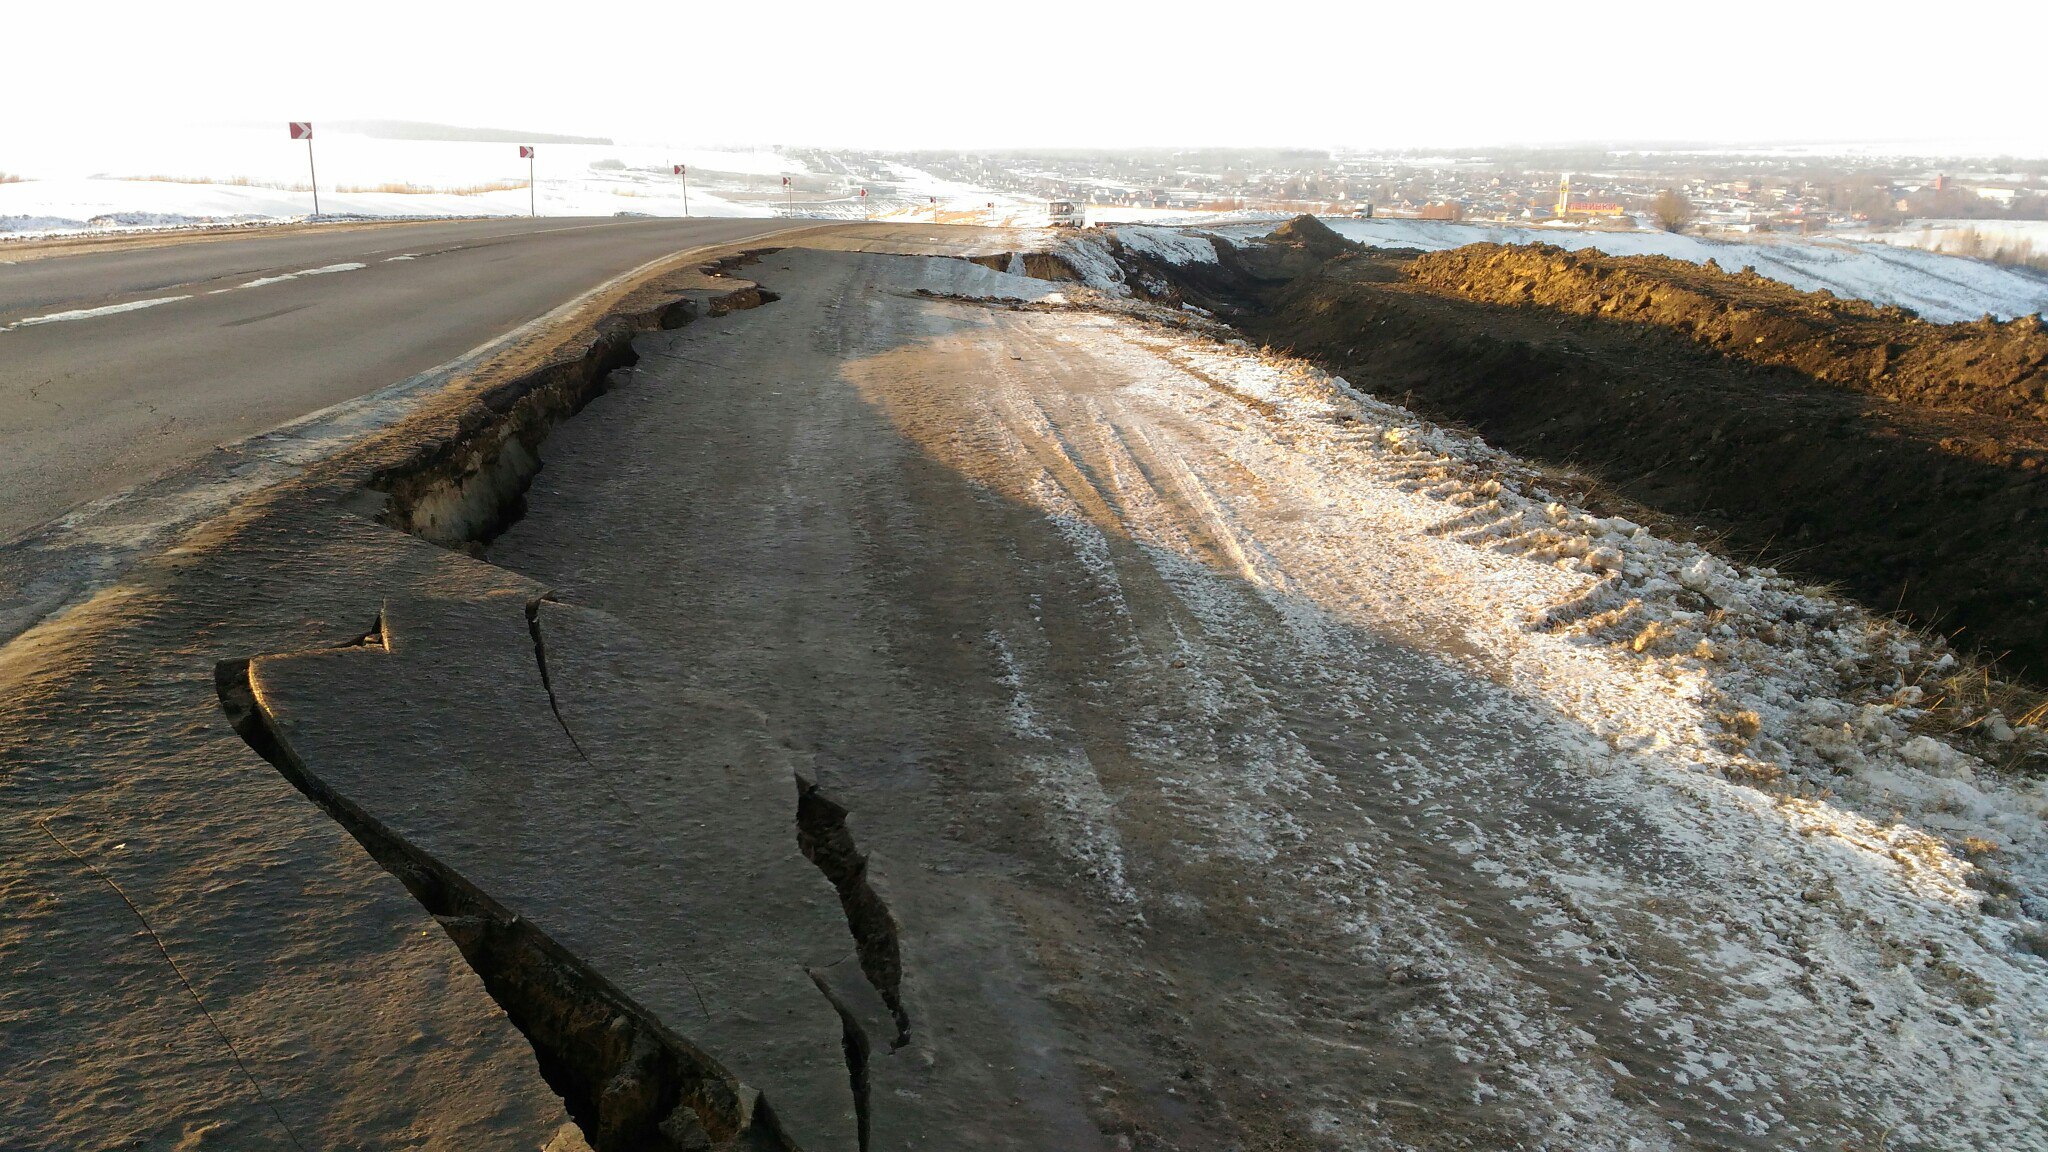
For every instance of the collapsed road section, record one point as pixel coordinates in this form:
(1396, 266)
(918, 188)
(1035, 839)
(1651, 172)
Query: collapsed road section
(955, 708)
(284, 990)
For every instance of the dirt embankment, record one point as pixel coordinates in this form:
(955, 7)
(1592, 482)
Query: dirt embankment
(1987, 366)
(1904, 462)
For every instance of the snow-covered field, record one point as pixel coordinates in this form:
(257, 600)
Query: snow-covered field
(239, 175)
(234, 176)
(1941, 288)
(956, 203)
(58, 206)
(1963, 236)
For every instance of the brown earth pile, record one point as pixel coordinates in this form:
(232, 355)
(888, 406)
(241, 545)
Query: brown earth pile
(1909, 490)
(1982, 366)
(1313, 236)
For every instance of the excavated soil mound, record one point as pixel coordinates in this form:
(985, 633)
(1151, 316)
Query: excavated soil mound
(1312, 235)
(1984, 366)
(1761, 416)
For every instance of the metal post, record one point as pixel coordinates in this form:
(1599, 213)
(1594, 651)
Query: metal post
(314, 174)
(532, 208)
(686, 190)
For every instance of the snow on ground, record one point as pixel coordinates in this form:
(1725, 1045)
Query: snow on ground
(957, 203)
(1658, 646)
(964, 278)
(1135, 214)
(1693, 672)
(44, 207)
(204, 176)
(1944, 289)
(1169, 245)
(1962, 237)
(1755, 893)
(1089, 252)
(1090, 256)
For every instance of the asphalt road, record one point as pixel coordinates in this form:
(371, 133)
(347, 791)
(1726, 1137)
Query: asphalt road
(186, 345)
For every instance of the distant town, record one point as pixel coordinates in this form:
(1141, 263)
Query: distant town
(1710, 190)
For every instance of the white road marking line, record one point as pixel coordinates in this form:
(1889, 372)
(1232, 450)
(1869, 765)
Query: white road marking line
(407, 256)
(266, 280)
(136, 305)
(89, 313)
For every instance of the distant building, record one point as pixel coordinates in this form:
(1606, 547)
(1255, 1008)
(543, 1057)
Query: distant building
(1566, 206)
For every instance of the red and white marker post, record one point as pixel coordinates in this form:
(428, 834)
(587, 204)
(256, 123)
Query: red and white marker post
(788, 197)
(303, 130)
(526, 152)
(683, 170)
(865, 210)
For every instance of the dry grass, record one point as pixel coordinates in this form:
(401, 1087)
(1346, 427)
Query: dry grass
(2018, 252)
(431, 190)
(10, 178)
(1964, 704)
(230, 181)
(401, 189)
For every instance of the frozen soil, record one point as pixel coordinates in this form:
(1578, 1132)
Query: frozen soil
(1249, 763)
(1902, 462)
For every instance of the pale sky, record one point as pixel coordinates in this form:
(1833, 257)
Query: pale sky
(968, 73)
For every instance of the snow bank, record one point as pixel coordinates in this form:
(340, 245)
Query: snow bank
(1170, 245)
(1088, 253)
(965, 278)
